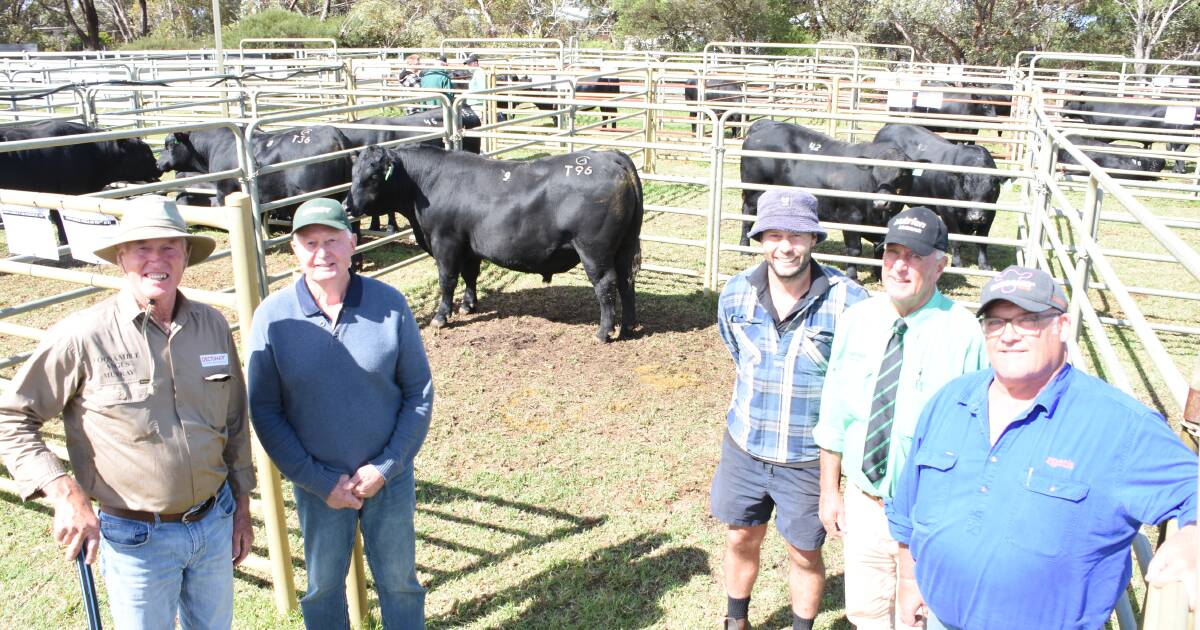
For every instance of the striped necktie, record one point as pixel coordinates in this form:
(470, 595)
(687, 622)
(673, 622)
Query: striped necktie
(883, 406)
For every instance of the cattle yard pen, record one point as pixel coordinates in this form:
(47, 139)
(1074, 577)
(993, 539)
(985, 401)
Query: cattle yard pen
(545, 98)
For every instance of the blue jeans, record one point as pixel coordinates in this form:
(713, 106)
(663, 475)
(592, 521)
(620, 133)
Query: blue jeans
(389, 542)
(155, 571)
(932, 623)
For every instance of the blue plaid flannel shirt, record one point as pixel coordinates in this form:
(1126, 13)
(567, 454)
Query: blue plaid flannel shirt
(780, 372)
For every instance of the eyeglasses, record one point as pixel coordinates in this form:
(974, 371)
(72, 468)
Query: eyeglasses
(1026, 325)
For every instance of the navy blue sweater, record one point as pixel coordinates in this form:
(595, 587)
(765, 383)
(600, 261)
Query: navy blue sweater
(328, 397)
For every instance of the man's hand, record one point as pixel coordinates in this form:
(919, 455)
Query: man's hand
(367, 481)
(243, 530)
(75, 522)
(1175, 561)
(910, 603)
(342, 495)
(832, 511)
(831, 508)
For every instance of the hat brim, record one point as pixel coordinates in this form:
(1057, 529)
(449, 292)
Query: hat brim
(762, 226)
(200, 247)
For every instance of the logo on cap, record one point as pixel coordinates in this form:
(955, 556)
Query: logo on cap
(1010, 285)
(911, 224)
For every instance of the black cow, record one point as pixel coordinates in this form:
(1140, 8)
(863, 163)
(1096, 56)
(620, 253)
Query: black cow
(1151, 117)
(1115, 160)
(430, 118)
(602, 86)
(210, 150)
(922, 145)
(76, 169)
(769, 135)
(723, 91)
(539, 216)
(956, 104)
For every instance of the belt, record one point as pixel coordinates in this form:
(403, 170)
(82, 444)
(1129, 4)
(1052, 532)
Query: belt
(191, 516)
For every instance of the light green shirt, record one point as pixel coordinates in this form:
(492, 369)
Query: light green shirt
(943, 342)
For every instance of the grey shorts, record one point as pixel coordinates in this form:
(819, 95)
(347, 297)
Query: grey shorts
(745, 491)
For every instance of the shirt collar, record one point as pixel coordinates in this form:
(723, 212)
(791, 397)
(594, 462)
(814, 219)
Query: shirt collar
(308, 304)
(1048, 399)
(936, 302)
(818, 285)
(128, 309)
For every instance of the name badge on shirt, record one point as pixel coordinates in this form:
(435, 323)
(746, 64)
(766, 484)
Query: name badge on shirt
(214, 360)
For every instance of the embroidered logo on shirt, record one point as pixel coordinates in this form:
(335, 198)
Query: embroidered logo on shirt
(214, 360)
(1055, 462)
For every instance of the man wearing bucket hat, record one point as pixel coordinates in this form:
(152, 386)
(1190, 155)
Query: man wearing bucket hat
(891, 354)
(341, 396)
(1027, 482)
(150, 391)
(778, 320)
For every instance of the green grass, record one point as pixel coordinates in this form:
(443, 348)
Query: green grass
(564, 483)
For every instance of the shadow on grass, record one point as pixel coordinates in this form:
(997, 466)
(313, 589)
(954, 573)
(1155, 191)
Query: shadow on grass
(831, 600)
(615, 587)
(576, 305)
(430, 495)
(32, 506)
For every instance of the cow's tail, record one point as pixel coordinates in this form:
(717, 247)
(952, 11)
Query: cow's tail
(633, 232)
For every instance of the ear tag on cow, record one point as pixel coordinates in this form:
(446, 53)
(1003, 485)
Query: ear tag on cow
(917, 172)
(387, 174)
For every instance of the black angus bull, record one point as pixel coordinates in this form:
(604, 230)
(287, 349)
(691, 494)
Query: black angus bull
(75, 169)
(769, 135)
(430, 119)
(606, 87)
(1149, 117)
(729, 93)
(955, 104)
(539, 216)
(211, 150)
(1115, 160)
(922, 145)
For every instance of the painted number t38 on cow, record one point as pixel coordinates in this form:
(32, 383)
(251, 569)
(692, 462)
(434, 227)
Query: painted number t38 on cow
(539, 216)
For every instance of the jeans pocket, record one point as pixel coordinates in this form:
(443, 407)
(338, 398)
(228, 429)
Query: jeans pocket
(122, 532)
(226, 505)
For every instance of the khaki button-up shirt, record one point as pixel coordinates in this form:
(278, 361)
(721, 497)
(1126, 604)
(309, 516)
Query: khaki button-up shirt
(155, 421)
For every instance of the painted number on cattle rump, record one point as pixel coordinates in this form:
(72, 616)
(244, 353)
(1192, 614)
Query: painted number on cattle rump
(581, 167)
(302, 137)
(814, 146)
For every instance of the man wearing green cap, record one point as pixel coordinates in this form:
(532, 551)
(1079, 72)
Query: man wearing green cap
(150, 391)
(341, 396)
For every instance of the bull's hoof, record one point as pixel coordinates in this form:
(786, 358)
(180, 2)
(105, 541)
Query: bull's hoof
(603, 337)
(391, 229)
(466, 310)
(438, 322)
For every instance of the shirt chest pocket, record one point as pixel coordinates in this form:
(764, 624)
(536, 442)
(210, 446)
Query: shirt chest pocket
(213, 389)
(934, 470)
(127, 410)
(1045, 511)
(816, 346)
(751, 335)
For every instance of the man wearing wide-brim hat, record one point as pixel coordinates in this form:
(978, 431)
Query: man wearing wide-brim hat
(778, 321)
(154, 409)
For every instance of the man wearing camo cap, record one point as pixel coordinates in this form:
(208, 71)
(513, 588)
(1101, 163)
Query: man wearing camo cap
(1027, 482)
(777, 319)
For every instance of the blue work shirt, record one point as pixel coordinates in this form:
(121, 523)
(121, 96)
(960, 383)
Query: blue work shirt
(1034, 532)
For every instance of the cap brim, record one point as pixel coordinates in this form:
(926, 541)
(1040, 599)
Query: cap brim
(912, 242)
(1029, 305)
(337, 225)
(200, 247)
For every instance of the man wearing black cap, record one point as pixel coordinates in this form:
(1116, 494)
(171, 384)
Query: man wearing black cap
(777, 320)
(1027, 482)
(891, 354)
